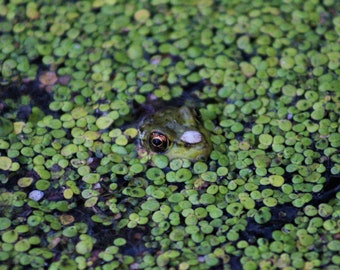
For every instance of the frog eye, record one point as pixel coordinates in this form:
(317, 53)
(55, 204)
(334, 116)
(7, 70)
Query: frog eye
(158, 142)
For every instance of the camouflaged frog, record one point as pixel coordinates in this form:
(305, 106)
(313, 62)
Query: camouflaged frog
(176, 133)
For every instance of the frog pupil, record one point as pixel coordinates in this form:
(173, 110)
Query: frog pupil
(157, 142)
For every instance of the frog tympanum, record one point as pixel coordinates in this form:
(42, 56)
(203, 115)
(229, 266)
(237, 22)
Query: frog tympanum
(176, 133)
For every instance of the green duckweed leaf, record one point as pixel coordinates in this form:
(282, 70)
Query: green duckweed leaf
(119, 242)
(151, 205)
(4, 144)
(70, 231)
(84, 247)
(42, 185)
(334, 245)
(22, 245)
(104, 122)
(4, 223)
(34, 220)
(214, 212)
(177, 234)
(209, 176)
(91, 202)
(155, 174)
(91, 178)
(10, 237)
(160, 161)
(135, 192)
(6, 127)
(121, 140)
(263, 215)
(120, 169)
(5, 163)
(69, 150)
(235, 209)
(200, 167)
(276, 180)
(325, 210)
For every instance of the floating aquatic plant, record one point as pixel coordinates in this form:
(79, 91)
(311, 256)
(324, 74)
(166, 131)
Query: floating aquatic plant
(266, 77)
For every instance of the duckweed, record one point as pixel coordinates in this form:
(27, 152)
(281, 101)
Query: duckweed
(5, 223)
(5, 163)
(264, 79)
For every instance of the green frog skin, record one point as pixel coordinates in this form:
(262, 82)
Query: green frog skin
(176, 133)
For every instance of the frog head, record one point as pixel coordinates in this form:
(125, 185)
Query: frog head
(176, 133)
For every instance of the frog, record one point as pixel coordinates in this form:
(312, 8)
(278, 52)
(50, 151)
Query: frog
(175, 132)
